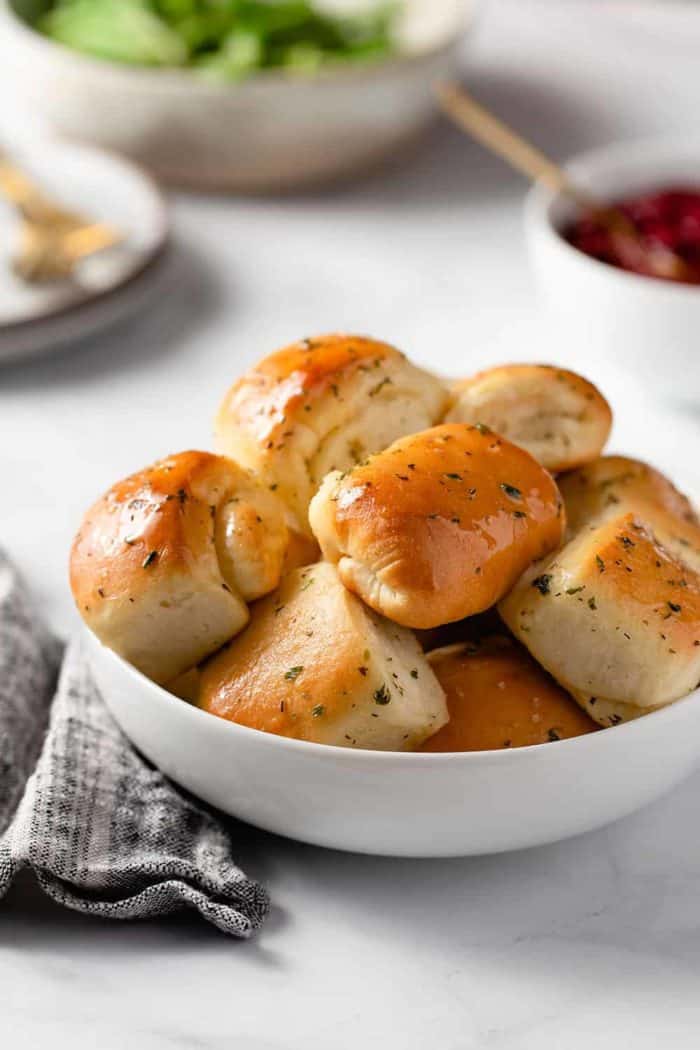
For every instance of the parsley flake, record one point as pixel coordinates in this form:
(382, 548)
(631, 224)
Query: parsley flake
(511, 491)
(382, 695)
(541, 583)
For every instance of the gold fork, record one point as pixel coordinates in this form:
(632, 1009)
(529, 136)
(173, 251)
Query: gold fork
(52, 240)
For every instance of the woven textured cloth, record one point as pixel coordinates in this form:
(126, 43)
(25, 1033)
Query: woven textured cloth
(102, 831)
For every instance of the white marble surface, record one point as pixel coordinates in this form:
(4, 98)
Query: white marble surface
(594, 943)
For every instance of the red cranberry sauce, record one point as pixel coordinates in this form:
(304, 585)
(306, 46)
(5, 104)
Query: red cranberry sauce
(667, 218)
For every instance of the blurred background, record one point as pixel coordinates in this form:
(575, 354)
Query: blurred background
(289, 174)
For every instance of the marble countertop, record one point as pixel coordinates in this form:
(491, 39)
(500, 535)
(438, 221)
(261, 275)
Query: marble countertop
(593, 942)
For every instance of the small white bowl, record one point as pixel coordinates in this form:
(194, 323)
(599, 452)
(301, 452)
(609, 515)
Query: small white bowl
(273, 131)
(641, 324)
(396, 804)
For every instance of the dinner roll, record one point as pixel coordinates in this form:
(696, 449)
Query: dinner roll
(439, 525)
(165, 562)
(558, 416)
(498, 697)
(613, 484)
(614, 616)
(322, 404)
(316, 664)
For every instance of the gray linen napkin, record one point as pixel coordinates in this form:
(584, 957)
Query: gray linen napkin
(103, 832)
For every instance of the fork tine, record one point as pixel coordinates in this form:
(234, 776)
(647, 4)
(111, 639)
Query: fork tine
(90, 239)
(19, 189)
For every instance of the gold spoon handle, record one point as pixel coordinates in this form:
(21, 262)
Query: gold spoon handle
(492, 133)
(498, 137)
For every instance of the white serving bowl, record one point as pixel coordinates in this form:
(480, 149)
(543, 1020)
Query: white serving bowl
(644, 325)
(414, 805)
(274, 131)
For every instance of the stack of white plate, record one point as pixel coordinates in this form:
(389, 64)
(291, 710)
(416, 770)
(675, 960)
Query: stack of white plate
(36, 318)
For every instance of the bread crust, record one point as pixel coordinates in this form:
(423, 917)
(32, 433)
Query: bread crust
(316, 664)
(561, 418)
(614, 616)
(439, 525)
(613, 484)
(498, 697)
(321, 404)
(165, 562)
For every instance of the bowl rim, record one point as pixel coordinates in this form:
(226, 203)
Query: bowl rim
(176, 79)
(162, 697)
(630, 154)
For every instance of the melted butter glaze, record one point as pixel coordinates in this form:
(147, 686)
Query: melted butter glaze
(455, 512)
(269, 397)
(633, 564)
(498, 697)
(148, 520)
(611, 483)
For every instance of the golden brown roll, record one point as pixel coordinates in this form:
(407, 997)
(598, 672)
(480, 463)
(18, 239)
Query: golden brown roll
(439, 525)
(316, 664)
(301, 550)
(165, 562)
(498, 697)
(558, 416)
(323, 404)
(613, 484)
(614, 616)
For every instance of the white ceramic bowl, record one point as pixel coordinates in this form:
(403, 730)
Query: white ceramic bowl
(416, 805)
(644, 325)
(274, 131)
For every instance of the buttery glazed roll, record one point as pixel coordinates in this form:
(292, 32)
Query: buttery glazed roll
(316, 664)
(614, 616)
(499, 697)
(613, 484)
(439, 525)
(165, 562)
(322, 404)
(558, 416)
